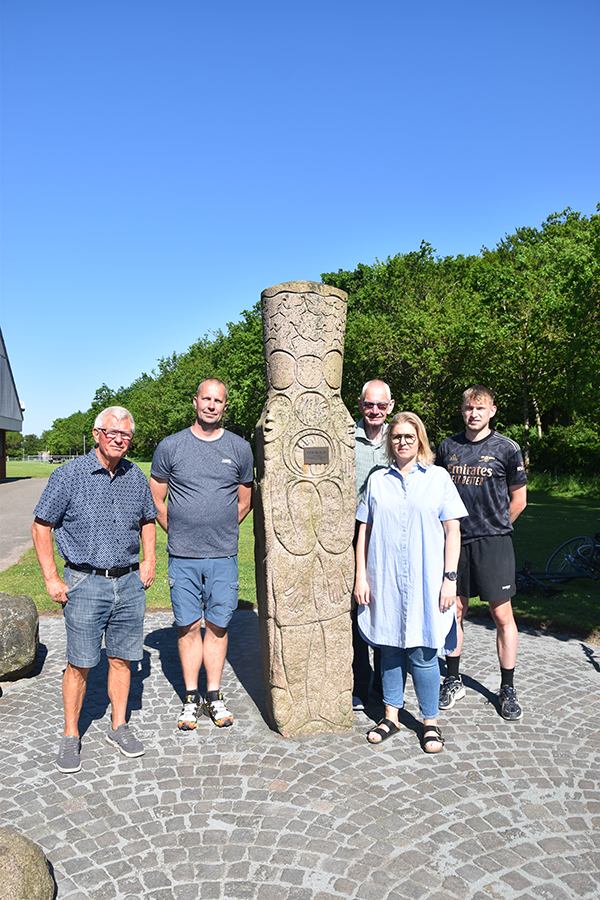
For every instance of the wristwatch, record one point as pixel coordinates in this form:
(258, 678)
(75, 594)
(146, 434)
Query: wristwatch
(451, 576)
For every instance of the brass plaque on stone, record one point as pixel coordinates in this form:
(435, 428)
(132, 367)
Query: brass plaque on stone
(316, 456)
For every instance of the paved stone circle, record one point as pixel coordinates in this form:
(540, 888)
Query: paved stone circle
(508, 810)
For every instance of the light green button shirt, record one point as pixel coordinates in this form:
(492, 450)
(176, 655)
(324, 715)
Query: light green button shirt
(368, 457)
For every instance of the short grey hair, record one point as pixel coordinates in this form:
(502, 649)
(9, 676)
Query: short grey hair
(375, 381)
(119, 412)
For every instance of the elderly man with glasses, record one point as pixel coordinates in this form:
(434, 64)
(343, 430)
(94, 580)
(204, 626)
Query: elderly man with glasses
(99, 507)
(375, 403)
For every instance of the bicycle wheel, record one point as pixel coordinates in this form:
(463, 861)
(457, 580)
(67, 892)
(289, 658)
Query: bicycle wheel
(572, 556)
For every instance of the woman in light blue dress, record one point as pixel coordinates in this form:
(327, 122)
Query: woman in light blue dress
(406, 558)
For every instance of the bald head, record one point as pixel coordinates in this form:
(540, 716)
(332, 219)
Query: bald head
(210, 383)
(376, 385)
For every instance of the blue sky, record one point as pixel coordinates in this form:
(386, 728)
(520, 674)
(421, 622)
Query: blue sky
(164, 162)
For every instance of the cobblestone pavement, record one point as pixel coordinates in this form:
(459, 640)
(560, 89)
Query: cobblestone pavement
(509, 810)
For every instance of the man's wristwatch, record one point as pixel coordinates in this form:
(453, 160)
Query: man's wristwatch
(451, 576)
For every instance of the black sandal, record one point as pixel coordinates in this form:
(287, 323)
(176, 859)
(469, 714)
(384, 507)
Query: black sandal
(392, 729)
(432, 735)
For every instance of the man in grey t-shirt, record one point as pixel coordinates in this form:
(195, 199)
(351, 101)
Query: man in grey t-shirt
(207, 473)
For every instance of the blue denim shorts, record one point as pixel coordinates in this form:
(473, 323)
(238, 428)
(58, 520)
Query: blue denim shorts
(110, 607)
(204, 588)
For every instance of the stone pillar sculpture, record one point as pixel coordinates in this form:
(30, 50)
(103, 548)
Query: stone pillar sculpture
(304, 511)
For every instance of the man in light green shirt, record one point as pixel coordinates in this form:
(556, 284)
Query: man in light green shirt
(375, 403)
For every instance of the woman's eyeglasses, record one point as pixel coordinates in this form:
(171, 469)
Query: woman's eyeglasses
(407, 438)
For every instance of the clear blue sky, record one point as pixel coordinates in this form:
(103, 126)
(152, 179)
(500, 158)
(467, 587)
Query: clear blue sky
(163, 161)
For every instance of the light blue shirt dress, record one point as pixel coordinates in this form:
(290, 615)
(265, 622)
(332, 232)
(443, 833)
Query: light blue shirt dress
(405, 562)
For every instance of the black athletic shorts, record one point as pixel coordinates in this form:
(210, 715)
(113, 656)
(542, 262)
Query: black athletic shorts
(486, 569)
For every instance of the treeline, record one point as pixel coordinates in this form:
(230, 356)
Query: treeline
(523, 318)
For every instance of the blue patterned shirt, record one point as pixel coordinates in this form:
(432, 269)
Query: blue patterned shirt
(97, 518)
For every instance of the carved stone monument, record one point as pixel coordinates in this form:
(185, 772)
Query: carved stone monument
(304, 511)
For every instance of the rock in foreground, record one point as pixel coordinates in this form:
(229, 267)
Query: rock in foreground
(19, 636)
(24, 870)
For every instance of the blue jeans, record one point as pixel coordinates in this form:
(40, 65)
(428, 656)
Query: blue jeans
(422, 663)
(110, 607)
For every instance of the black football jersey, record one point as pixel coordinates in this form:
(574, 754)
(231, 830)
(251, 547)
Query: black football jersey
(482, 472)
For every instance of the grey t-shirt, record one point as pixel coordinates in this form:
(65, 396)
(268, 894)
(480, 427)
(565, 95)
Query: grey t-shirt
(203, 491)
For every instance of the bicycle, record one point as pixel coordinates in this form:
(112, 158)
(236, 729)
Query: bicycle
(528, 581)
(580, 555)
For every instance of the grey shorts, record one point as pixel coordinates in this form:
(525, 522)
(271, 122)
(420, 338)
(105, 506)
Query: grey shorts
(486, 569)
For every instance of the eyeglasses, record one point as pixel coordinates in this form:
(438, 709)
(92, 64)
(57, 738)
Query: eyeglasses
(111, 435)
(407, 438)
(368, 404)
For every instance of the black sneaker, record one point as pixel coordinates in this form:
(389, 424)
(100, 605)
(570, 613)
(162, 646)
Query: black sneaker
(452, 689)
(188, 717)
(509, 705)
(214, 707)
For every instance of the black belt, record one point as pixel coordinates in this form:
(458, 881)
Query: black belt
(107, 573)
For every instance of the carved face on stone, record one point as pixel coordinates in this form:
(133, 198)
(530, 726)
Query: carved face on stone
(276, 419)
(343, 422)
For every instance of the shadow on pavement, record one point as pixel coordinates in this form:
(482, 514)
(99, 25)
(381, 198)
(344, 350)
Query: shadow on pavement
(96, 702)
(243, 655)
(245, 658)
(480, 688)
(591, 657)
(41, 659)
(164, 640)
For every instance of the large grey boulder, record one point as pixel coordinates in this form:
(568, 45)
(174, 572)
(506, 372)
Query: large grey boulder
(19, 636)
(24, 871)
(304, 511)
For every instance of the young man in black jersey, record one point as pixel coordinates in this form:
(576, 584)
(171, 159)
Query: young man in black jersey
(488, 471)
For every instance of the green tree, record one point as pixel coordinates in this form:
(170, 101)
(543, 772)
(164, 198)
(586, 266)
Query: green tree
(161, 403)
(414, 321)
(67, 434)
(32, 444)
(238, 360)
(523, 318)
(14, 443)
(541, 288)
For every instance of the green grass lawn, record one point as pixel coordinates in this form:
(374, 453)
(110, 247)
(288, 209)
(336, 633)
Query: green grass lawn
(546, 523)
(550, 518)
(29, 469)
(26, 577)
